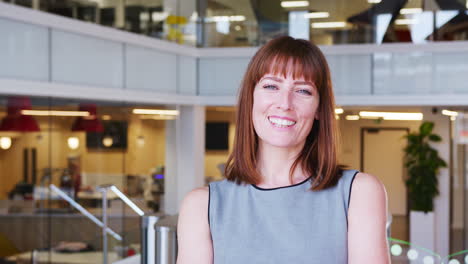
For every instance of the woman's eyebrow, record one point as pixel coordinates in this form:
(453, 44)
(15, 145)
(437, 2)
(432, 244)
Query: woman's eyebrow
(273, 79)
(305, 83)
(276, 79)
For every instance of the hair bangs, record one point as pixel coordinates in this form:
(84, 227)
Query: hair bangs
(290, 63)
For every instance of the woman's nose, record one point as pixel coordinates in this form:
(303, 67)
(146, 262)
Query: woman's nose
(284, 100)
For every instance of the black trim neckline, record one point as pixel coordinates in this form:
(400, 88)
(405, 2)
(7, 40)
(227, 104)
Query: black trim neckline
(282, 187)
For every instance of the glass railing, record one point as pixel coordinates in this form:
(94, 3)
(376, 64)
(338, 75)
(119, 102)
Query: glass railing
(218, 23)
(336, 21)
(153, 18)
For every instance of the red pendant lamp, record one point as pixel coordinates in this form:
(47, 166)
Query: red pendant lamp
(15, 120)
(88, 123)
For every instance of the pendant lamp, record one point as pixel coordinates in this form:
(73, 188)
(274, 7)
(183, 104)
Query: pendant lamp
(88, 123)
(15, 120)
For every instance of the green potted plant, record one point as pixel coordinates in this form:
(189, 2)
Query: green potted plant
(422, 162)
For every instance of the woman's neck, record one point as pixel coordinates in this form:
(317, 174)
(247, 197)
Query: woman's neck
(274, 165)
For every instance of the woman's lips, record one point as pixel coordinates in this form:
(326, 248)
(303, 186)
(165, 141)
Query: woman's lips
(281, 122)
(283, 117)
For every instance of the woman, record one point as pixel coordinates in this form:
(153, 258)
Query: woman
(286, 199)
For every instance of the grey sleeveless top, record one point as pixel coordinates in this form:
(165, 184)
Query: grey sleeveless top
(289, 224)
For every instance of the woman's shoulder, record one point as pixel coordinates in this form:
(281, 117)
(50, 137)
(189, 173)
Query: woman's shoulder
(195, 202)
(353, 176)
(193, 232)
(367, 191)
(196, 195)
(195, 206)
(367, 183)
(367, 219)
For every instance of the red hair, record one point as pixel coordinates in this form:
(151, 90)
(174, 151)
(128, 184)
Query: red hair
(318, 158)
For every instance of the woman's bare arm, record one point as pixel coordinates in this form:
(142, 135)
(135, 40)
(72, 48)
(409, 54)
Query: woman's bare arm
(367, 216)
(193, 232)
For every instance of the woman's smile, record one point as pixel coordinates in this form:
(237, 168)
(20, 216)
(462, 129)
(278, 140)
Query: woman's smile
(281, 122)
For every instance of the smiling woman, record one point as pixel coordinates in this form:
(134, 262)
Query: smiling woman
(286, 198)
(288, 77)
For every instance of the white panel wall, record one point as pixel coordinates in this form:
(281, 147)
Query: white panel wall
(221, 76)
(148, 69)
(451, 73)
(187, 74)
(24, 51)
(420, 73)
(351, 74)
(403, 73)
(80, 59)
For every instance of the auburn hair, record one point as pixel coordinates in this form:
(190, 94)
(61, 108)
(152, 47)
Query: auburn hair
(319, 157)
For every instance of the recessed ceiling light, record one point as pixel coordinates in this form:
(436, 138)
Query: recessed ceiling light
(287, 4)
(391, 115)
(407, 11)
(225, 19)
(352, 117)
(54, 113)
(406, 21)
(449, 113)
(155, 112)
(328, 25)
(317, 15)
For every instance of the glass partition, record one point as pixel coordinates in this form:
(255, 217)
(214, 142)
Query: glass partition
(79, 147)
(221, 23)
(168, 20)
(254, 22)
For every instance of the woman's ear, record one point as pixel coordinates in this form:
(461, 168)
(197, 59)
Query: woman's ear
(316, 115)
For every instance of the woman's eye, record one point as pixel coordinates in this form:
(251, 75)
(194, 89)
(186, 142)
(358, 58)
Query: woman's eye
(304, 91)
(270, 87)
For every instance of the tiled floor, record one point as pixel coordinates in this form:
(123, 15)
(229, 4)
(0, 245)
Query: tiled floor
(399, 228)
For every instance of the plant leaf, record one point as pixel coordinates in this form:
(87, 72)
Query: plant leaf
(426, 128)
(435, 138)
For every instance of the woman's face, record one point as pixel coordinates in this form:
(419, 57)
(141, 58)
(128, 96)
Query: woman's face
(284, 110)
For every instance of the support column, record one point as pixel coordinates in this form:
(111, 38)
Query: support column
(185, 153)
(36, 4)
(441, 230)
(119, 14)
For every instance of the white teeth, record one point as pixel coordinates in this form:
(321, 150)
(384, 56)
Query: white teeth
(279, 122)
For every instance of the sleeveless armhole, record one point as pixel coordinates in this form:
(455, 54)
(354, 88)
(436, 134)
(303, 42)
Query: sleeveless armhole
(209, 202)
(349, 193)
(351, 186)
